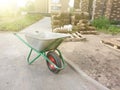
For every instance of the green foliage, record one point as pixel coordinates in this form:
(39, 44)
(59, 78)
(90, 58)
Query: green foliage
(115, 22)
(19, 22)
(101, 23)
(114, 29)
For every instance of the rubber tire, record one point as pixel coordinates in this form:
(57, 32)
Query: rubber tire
(57, 60)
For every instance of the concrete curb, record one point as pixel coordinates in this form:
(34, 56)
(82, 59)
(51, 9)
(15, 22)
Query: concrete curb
(85, 76)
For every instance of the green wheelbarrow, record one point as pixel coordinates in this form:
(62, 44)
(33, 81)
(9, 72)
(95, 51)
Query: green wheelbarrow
(45, 44)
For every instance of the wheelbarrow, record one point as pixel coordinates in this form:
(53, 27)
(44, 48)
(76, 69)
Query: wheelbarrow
(45, 44)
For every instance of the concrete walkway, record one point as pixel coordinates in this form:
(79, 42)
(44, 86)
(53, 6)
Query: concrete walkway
(16, 74)
(42, 26)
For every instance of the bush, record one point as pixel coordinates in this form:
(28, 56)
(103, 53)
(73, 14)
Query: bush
(101, 23)
(114, 29)
(115, 22)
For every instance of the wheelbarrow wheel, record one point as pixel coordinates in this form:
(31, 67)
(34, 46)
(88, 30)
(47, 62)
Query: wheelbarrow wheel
(53, 57)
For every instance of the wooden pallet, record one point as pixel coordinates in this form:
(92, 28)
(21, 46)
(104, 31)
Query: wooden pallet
(74, 37)
(112, 42)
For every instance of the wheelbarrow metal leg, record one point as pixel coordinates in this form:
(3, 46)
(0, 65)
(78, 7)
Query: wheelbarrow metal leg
(28, 58)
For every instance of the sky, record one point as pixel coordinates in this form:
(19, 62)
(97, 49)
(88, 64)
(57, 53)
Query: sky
(71, 3)
(21, 3)
(8, 4)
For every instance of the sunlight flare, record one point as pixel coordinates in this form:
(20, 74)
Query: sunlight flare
(21, 3)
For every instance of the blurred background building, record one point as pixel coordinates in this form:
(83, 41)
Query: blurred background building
(98, 8)
(48, 6)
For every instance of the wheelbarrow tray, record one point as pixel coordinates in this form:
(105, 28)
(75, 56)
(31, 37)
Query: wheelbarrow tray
(43, 40)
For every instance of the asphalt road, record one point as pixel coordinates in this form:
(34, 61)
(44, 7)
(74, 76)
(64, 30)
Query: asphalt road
(16, 74)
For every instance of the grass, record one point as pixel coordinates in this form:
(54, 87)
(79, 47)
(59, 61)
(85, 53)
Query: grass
(103, 24)
(113, 29)
(18, 23)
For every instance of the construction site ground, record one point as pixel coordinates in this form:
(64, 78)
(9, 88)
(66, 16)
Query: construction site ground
(97, 60)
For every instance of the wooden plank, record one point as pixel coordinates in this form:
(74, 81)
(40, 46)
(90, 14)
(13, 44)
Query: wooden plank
(89, 32)
(75, 38)
(71, 36)
(113, 42)
(78, 34)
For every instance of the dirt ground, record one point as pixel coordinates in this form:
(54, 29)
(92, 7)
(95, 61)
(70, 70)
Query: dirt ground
(100, 62)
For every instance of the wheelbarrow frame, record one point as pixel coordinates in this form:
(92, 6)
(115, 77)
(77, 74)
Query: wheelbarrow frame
(56, 43)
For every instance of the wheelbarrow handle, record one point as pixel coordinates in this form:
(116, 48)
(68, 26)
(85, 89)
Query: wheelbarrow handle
(21, 39)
